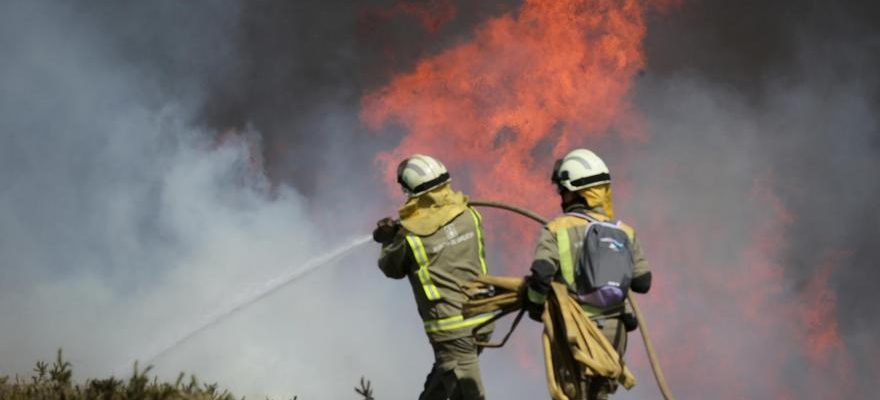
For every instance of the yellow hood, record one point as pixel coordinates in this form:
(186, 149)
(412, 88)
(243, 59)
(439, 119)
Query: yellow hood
(428, 212)
(599, 197)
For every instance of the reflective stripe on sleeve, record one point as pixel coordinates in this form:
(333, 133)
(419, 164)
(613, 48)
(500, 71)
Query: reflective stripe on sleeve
(418, 249)
(479, 228)
(456, 322)
(566, 264)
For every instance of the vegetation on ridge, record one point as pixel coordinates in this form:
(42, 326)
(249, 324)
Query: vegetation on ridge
(55, 382)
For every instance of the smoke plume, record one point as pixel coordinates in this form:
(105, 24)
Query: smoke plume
(126, 217)
(768, 112)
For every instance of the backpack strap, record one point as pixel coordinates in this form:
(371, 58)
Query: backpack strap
(591, 218)
(614, 222)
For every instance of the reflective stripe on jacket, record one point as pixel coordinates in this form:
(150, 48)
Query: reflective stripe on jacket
(437, 266)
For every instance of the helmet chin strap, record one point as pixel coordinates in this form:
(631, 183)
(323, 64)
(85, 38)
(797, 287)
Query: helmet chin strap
(569, 198)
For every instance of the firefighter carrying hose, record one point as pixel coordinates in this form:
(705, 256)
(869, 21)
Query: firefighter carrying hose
(438, 245)
(584, 185)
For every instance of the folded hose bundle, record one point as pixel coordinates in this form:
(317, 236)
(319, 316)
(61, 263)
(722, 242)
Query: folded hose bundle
(574, 348)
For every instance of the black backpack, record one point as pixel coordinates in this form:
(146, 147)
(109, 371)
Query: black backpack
(605, 264)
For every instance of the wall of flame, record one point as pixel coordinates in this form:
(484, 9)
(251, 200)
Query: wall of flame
(528, 85)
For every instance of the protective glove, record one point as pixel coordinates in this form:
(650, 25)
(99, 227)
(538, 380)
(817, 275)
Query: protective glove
(629, 322)
(535, 310)
(386, 229)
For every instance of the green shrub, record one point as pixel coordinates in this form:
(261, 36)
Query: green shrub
(56, 383)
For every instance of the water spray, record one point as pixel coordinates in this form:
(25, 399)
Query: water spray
(261, 292)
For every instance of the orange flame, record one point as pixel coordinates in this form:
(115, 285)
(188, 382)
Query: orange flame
(558, 70)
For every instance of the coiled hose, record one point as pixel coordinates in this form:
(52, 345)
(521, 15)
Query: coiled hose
(643, 328)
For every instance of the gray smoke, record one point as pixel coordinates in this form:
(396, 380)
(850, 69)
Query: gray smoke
(124, 219)
(759, 112)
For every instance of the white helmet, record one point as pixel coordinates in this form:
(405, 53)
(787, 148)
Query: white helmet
(420, 173)
(580, 169)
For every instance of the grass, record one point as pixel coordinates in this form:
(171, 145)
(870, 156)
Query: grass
(55, 382)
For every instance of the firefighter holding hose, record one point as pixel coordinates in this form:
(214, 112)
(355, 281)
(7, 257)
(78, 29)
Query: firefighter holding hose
(584, 185)
(438, 245)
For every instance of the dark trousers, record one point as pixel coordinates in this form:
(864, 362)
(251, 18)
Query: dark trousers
(456, 372)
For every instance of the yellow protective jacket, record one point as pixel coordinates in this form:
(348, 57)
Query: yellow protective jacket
(438, 265)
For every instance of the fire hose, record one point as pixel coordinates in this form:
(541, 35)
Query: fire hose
(643, 328)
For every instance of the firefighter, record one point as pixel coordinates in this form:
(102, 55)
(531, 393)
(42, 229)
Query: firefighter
(438, 245)
(584, 185)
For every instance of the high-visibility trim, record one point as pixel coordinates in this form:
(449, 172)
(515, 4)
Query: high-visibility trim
(535, 296)
(566, 264)
(478, 227)
(593, 311)
(456, 322)
(418, 249)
